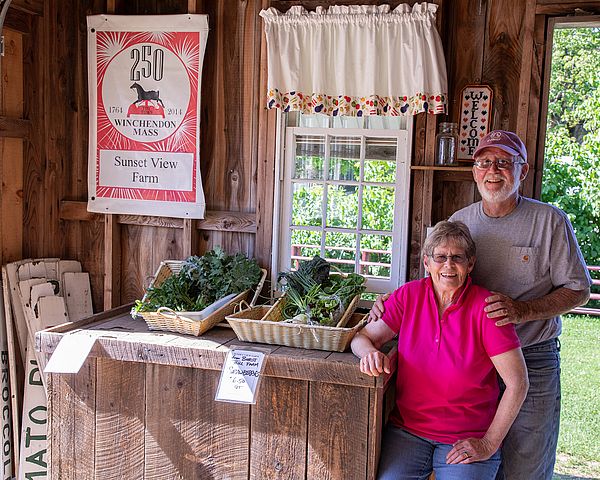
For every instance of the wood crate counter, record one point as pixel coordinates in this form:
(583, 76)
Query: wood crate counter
(142, 406)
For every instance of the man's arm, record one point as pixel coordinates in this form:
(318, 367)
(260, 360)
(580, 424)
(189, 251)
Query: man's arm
(557, 302)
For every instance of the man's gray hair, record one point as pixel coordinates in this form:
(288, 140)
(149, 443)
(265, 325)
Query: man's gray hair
(455, 232)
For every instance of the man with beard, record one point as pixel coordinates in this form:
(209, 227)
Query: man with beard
(527, 255)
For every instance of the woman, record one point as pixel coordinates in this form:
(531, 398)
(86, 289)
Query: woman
(447, 416)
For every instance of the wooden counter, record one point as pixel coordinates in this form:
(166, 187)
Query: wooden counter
(142, 407)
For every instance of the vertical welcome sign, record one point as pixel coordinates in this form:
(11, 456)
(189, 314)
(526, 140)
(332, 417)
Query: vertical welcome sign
(144, 87)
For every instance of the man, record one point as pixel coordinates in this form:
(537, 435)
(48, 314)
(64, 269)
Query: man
(527, 255)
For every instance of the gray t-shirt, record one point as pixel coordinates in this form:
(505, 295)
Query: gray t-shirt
(525, 255)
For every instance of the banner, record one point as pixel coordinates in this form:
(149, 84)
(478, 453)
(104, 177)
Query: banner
(144, 86)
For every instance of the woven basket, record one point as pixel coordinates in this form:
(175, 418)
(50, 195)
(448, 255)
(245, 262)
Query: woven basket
(250, 326)
(190, 323)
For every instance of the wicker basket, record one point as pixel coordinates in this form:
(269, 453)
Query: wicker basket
(190, 323)
(251, 325)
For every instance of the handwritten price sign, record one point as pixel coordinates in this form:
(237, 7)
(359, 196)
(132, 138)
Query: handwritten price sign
(476, 105)
(240, 376)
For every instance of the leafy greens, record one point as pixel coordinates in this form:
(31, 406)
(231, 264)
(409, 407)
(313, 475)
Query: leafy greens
(314, 296)
(201, 282)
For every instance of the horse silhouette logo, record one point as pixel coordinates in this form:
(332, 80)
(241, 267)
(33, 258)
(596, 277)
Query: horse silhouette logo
(148, 102)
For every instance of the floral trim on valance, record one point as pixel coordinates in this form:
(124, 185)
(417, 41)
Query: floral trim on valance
(356, 106)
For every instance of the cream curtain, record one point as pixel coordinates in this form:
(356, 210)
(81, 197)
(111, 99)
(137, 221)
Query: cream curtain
(356, 60)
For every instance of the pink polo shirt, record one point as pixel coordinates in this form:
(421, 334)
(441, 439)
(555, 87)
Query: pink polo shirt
(446, 388)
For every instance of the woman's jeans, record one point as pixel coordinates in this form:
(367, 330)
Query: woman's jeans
(408, 457)
(529, 449)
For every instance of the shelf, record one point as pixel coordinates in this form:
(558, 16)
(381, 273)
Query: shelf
(436, 167)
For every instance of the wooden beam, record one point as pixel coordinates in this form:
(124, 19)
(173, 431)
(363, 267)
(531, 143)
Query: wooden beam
(17, 20)
(238, 222)
(36, 7)
(11, 149)
(190, 232)
(566, 8)
(14, 127)
(112, 262)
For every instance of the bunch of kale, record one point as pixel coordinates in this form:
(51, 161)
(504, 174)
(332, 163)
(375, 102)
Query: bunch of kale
(202, 281)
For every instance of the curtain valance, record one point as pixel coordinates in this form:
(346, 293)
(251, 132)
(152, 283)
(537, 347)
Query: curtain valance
(355, 60)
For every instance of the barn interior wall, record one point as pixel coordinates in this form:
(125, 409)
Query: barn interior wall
(486, 41)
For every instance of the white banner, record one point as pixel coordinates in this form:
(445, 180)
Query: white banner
(5, 402)
(144, 85)
(34, 440)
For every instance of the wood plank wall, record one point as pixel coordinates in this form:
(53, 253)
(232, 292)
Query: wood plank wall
(486, 41)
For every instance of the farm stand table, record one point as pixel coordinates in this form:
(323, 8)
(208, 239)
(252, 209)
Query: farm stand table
(142, 407)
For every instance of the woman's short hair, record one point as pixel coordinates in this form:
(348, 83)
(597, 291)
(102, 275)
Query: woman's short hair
(455, 232)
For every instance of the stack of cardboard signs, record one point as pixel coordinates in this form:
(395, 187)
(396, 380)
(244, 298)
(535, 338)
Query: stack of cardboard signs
(38, 294)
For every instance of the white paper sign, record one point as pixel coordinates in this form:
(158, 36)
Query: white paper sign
(240, 376)
(71, 352)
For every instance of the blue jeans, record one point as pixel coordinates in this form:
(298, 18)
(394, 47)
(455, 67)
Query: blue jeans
(405, 456)
(529, 449)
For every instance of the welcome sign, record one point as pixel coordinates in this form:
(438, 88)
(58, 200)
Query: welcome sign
(144, 86)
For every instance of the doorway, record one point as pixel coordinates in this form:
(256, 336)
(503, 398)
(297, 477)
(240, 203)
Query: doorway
(571, 181)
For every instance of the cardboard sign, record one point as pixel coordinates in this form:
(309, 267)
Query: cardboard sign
(476, 103)
(241, 376)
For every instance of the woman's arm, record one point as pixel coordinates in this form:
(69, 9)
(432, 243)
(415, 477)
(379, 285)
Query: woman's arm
(513, 371)
(366, 344)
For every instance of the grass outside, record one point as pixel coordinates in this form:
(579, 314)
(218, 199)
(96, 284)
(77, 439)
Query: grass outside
(578, 455)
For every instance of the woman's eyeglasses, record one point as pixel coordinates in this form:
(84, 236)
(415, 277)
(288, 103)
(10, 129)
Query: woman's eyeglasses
(501, 163)
(438, 258)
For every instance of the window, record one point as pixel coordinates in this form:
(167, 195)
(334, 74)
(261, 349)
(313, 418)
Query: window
(343, 195)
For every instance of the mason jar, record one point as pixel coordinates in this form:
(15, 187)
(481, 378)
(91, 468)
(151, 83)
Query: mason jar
(446, 144)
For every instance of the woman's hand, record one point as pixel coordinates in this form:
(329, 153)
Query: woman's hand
(471, 450)
(374, 364)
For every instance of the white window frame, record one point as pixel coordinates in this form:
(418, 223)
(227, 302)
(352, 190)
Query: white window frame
(284, 164)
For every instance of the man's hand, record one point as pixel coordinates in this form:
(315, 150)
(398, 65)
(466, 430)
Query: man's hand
(377, 309)
(505, 309)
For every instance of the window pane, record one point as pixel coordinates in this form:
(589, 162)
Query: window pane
(380, 149)
(342, 206)
(305, 245)
(378, 208)
(340, 250)
(376, 255)
(344, 158)
(310, 155)
(380, 171)
(307, 199)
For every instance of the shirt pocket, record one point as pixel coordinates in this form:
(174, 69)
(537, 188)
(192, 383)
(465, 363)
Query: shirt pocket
(524, 264)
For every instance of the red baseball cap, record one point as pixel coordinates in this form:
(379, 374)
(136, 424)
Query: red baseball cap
(507, 141)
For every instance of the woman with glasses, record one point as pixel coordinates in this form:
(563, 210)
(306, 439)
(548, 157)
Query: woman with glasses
(447, 416)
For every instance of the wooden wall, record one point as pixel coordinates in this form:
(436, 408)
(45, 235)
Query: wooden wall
(497, 42)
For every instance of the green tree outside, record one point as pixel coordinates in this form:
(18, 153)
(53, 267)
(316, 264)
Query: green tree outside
(571, 179)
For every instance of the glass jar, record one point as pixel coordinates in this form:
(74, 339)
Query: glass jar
(446, 144)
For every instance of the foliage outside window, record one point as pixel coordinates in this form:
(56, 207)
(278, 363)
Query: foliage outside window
(572, 157)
